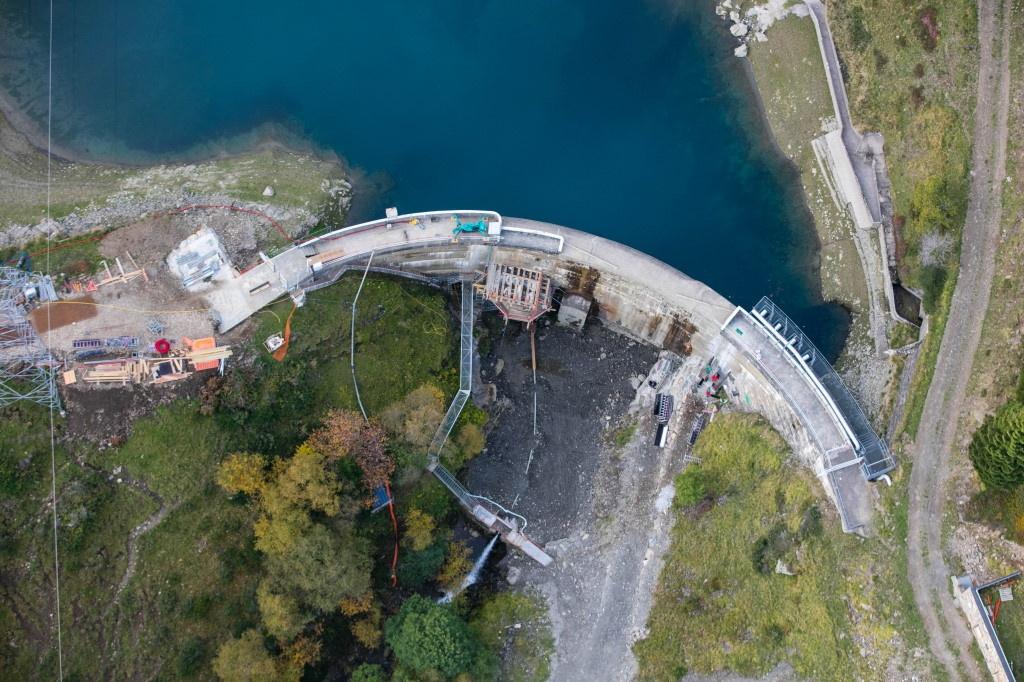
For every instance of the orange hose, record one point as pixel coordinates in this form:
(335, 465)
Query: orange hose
(283, 350)
(394, 522)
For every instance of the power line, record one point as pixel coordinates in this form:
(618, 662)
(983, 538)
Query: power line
(53, 448)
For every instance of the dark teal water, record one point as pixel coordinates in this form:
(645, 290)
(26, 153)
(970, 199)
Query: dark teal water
(619, 118)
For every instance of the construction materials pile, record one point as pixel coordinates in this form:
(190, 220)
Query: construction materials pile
(154, 369)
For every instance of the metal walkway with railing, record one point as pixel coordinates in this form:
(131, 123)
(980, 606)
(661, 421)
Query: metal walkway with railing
(488, 513)
(877, 459)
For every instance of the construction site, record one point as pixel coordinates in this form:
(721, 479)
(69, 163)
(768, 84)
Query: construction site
(161, 304)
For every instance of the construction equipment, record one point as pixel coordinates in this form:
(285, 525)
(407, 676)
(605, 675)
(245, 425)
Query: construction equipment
(469, 228)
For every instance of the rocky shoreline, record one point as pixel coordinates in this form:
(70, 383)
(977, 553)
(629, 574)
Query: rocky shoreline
(295, 188)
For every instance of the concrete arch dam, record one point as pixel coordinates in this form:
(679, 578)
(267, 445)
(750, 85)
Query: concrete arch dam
(775, 369)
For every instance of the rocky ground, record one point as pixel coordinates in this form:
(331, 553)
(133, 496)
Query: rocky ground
(597, 493)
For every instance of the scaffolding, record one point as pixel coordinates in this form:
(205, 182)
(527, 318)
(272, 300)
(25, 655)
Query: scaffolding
(27, 369)
(519, 294)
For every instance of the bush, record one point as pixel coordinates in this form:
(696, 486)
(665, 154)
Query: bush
(997, 449)
(416, 568)
(190, 658)
(368, 672)
(426, 636)
(933, 281)
(690, 488)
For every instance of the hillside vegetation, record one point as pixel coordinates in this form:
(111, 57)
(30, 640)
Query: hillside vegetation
(263, 558)
(745, 519)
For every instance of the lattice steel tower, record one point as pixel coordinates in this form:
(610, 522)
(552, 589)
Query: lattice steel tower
(27, 368)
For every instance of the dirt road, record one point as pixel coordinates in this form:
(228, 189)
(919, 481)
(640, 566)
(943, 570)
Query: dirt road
(950, 639)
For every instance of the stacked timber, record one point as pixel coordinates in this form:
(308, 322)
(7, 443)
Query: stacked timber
(155, 370)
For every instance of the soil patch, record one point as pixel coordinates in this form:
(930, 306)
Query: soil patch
(62, 313)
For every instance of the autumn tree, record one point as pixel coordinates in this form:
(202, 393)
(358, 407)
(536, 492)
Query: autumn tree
(281, 613)
(243, 472)
(470, 440)
(245, 659)
(299, 653)
(339, 432)
(419, 529)
(456, 567)
(997, 449)
(416, 417)
(324, 566)
(306, 481)
(372, 456)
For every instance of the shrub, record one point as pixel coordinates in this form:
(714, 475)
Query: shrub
(190, 658)
(426, 636)
(368, 672)
(416, 568)
(690, 487)
(997, 449)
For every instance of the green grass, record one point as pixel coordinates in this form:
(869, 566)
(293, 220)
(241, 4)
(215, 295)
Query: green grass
(720, 605)
(621, 436)
(197, 571)
(404, 338)
(517, 625)
(926, 359)
(302, 181)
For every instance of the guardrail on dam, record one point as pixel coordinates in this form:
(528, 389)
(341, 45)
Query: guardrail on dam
(631, 291)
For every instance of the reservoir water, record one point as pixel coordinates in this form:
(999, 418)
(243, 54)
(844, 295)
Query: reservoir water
(628, 119)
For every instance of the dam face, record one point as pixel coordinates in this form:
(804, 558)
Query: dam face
(631, 292)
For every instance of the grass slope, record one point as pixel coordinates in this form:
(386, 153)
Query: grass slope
(196, 574)
(721, 605)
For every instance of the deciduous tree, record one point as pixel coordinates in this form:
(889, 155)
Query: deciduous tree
(373, 459)
(324, 565)
(245, 660)
(416, 417)
(281, 613)
(426, 636)
(419, 529)
(243, 472)
(339, 431)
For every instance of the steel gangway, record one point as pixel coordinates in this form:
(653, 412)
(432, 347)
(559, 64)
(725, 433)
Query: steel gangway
(486, 512)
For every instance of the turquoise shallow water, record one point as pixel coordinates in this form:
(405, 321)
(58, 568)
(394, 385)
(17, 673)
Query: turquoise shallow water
(623, 119)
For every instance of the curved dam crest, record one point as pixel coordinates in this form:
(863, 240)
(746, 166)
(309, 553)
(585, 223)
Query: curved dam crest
(767, 361)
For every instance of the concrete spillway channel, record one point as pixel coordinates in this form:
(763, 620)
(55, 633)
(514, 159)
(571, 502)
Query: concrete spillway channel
(632, 292)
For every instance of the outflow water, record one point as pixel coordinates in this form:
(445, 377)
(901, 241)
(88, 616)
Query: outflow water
(473, 575)
(630, 120)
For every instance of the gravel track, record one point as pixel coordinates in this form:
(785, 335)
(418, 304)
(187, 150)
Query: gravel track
(929, 575)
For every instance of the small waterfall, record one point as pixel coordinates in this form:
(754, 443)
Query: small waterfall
(474, 574)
